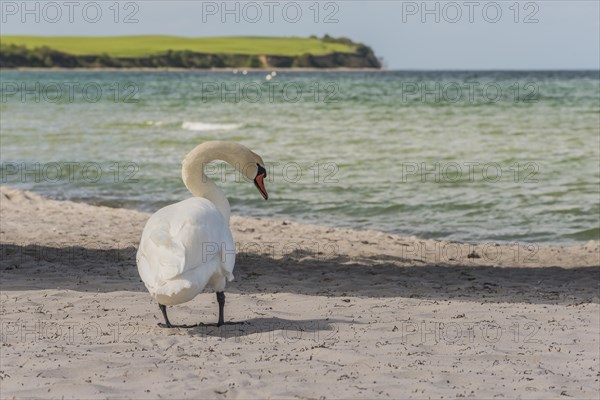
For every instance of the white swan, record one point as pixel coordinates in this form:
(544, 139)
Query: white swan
(188, 246)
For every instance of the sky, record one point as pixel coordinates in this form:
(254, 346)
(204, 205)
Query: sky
(409, 35)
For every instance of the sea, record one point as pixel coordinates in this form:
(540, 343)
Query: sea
(469, 156)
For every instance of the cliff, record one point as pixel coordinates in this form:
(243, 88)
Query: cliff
(21, 56)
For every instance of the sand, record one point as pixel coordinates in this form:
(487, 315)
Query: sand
(323, 313)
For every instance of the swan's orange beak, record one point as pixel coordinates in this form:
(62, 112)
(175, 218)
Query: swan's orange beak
(259, 182)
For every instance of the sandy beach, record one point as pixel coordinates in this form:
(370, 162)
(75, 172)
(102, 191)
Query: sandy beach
(322, 313)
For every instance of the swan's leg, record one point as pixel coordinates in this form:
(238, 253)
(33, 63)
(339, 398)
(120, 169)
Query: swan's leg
(221, 301)
(168, 324)
(163, 308)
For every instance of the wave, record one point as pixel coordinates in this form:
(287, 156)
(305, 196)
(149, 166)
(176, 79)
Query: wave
(588, 234)
(208, 127)
(155, 123)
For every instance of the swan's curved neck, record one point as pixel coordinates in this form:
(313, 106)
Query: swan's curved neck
(196, 180)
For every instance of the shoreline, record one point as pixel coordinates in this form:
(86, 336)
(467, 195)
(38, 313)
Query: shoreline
(371, 314)
(379, 70)
(346, 229)
(18, 206)
(174, 69)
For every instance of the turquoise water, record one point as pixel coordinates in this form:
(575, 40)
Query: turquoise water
(508, 156)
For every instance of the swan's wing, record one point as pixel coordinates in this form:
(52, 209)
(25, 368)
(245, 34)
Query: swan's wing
(160, 256)
(169, 252)
(208, 243)
(183, 237)
(227, 254)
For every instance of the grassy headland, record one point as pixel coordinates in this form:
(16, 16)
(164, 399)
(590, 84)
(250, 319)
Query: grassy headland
(183, 52)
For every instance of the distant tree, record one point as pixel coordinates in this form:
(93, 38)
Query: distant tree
(341, 40)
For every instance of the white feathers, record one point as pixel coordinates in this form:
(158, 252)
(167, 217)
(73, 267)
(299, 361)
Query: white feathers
(188, 246)
(185, 247)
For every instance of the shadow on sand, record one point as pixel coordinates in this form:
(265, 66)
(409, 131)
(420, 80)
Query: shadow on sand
(99, 270)
(270, 328)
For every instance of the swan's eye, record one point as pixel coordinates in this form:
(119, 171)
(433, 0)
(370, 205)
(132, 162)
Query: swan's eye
(261, 171)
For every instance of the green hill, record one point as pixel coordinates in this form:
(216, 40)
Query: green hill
(141, 46)
(183, 52)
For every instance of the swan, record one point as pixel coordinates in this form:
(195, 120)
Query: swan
(187, 246)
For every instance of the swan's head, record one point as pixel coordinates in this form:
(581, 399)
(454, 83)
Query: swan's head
(250, 164)
(255, 171)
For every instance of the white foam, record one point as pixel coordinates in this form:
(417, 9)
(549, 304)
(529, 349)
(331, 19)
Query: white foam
(208, 127)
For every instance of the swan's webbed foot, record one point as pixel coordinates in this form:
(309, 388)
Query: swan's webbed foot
(221, 322)
(177, 326)
(213, 325)
(168, 323)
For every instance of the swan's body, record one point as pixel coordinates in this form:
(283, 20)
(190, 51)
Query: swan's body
(187, 246)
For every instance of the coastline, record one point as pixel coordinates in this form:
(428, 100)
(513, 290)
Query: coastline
(354, 305)
(173, 69)
(386, 244)
(173, 51)
(295, 69)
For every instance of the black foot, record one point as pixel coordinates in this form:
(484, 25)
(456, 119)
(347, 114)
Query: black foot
(221, 322)
(176, 326)
(167, 323)
(217, 325)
